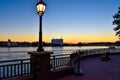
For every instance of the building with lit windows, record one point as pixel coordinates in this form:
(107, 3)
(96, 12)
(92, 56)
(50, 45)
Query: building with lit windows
(57, 42)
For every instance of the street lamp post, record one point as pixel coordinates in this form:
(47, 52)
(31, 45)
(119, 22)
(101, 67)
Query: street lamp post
(41, 7)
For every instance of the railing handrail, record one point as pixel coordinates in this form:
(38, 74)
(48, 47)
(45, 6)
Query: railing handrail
(3, 61)
(60, 55)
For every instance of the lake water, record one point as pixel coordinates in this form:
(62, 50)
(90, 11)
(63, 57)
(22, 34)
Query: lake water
(22, 52)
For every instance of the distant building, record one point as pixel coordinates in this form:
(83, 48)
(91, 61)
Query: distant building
(9, 44)
(57, 42)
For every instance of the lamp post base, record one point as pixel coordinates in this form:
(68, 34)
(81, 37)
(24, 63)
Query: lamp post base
(40, 49)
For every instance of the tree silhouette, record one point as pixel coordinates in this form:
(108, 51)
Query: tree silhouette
(117, 23)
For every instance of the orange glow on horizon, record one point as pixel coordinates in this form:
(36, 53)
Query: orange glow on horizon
(68, 39)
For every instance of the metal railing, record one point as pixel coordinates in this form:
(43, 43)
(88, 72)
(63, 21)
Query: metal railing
(99, 51)
(12, 68)
(63, 60)
(58, 61)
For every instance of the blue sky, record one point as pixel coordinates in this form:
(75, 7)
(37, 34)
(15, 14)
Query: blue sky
(73, 20)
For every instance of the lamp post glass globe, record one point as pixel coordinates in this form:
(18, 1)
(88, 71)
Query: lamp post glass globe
(41, 7)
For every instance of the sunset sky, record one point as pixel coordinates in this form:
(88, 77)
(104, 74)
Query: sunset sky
(73, 20)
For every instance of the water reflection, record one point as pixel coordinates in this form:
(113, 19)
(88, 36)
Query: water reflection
(57, 50)
(9, 49)
(22, 52)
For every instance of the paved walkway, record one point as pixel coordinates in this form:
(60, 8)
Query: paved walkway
(94, 69)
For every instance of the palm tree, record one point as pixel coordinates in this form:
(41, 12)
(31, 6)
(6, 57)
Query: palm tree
(117, 23)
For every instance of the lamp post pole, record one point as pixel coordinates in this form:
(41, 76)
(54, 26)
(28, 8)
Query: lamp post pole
(41, 6)
(40, 45)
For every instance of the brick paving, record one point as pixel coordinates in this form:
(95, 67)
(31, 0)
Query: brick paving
(95, 69)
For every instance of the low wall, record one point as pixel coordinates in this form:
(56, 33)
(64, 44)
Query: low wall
(61, 72)
(24, 77)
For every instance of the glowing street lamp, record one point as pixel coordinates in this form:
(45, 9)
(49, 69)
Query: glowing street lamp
(41, 7)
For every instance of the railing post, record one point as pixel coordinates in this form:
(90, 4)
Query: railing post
(21, 67)
(0, 72)
(54, 63)
(3, 71)
(78, 65)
